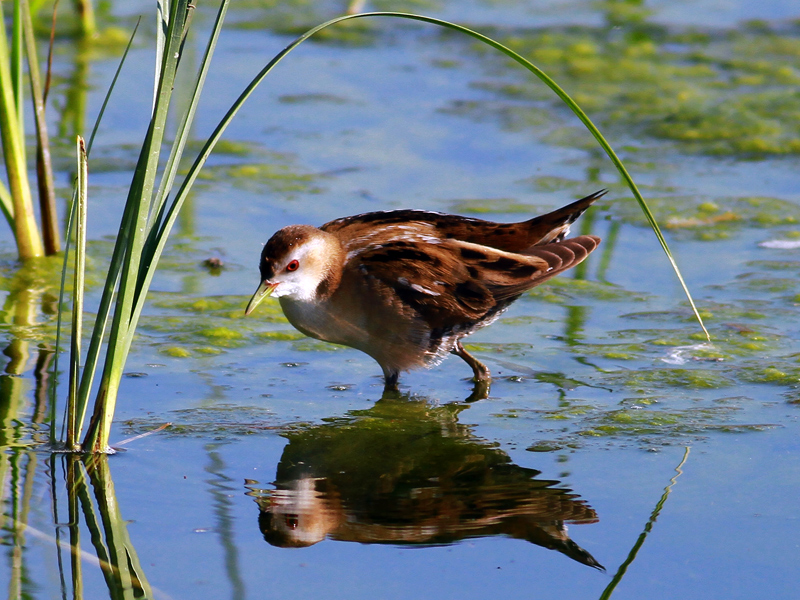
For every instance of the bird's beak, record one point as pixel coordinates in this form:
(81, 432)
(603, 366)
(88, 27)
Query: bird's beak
(264, 290)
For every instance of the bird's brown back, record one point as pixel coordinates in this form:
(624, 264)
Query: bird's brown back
(510, 237)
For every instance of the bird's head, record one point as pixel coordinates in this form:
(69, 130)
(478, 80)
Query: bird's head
(298, 262)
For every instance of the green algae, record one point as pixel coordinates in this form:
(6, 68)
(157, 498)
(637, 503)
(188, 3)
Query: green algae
(176, 352)
(210, 324)
(719, 92)
(221, 421)
(661, 377)
(640, 421)
(265, 176)
(557, 289)
(707, 219)
(297, 16)
(279, 336)
(778, 373)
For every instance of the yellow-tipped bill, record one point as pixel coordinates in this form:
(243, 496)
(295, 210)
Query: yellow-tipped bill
(264, 290)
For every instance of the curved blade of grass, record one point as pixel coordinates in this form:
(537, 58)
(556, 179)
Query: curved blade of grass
(111, 88)
(215, 136)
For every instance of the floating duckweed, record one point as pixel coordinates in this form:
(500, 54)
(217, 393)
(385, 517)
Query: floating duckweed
(720, 92)
(771, 374)
(590, 433)
(619, 356)
(231, 148)
(204, 304)
(666, 377)
(280, 336)
(491, 205)
(556, 417)
(752, 346)
(221, 333)
(209, 350)
(176, 352)
(310, 345)
(555, 289)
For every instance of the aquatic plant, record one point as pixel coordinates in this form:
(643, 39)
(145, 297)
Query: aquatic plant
(16, 200)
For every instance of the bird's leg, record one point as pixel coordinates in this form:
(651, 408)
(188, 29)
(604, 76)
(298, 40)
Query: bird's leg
(480, 370)
(390, 378)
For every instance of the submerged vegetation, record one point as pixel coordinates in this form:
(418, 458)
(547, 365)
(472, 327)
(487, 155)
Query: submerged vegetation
(718, 92)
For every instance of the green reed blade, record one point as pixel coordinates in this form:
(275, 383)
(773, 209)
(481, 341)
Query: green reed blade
(44, 166)
(6, 204)
(132, 295)
(74, 424)
(71, 216)
(584, 119)
(26, 231)
(132, 237)
(162, 26)
(87, 375)
(16, 62)
(171, 168)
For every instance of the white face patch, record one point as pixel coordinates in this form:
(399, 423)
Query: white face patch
(302, 284)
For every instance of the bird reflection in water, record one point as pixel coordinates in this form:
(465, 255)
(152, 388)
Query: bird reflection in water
(408, 473)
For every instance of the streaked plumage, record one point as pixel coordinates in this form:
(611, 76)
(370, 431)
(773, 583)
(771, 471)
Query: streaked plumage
(405, 286)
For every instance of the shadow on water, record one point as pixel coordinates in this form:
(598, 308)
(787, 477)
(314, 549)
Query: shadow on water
(406, 472)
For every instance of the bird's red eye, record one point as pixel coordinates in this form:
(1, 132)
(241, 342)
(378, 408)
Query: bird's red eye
(292, 266)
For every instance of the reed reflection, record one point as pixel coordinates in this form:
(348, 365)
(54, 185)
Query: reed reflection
(405, 472)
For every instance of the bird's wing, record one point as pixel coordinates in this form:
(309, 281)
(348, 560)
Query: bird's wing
(507, 275)
(450, 283)
(361, 230)
(423, 279)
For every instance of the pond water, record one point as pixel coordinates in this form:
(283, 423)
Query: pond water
(618, 451)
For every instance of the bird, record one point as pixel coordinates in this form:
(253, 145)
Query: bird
(406, 286)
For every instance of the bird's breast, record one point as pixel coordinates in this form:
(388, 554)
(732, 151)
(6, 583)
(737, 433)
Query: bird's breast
(322, 320)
